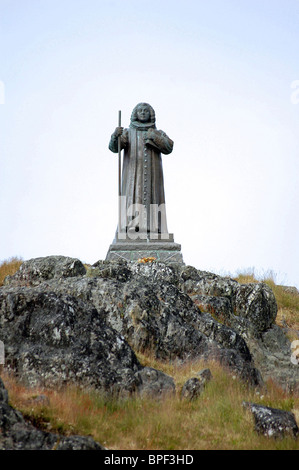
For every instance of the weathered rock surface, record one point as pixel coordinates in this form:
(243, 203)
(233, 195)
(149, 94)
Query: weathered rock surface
(192, 389)
(154, 383)
(54, 339)
(273, 422)
(36, 270)
(291, 290)
(205, 375)
(194, 386)
(17, 434)
(70, 325)
(144, 304)
(250, 310)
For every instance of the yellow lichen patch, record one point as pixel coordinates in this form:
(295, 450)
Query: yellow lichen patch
(149, 259)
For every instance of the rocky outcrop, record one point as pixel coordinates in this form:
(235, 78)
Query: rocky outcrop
(17, 434)
(66, 324)
(52, 339)
(250, 310)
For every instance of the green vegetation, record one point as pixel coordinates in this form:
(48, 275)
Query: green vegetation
(216, 420)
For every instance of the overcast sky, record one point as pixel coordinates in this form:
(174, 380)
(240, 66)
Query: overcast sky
(223, 78)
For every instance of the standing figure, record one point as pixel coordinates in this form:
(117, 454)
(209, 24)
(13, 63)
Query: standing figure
(142, 175)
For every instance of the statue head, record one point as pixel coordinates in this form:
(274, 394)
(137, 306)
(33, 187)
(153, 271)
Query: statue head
(143, 113)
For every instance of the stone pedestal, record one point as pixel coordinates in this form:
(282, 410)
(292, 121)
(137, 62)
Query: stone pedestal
(162, 248)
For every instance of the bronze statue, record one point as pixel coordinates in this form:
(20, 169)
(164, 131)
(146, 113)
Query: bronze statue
(142, 184)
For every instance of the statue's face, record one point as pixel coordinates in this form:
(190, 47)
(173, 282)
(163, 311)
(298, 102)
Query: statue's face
(143, 113)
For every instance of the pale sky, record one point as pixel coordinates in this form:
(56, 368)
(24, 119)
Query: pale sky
(223, 78)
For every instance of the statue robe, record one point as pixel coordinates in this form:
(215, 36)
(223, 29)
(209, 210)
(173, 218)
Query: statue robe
(142, 173)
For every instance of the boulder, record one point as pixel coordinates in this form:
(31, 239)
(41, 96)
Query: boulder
(272, 355)
(194, 386)
(205, 375)
(290, 290)
(256, 304)
(192, 389)
(54, 339)
(154, 383)
(37, 270)
(272, 422)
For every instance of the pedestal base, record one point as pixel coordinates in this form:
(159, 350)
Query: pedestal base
(165, 250)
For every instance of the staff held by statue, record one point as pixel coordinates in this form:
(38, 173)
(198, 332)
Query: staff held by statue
(119, 174)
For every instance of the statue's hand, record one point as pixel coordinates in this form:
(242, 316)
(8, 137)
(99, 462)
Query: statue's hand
(150, 133)
(118, 131)
(149, 136)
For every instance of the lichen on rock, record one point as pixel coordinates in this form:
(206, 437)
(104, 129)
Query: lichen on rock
(60, 323)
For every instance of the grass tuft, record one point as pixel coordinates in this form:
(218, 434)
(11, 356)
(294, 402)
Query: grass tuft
(9, 267)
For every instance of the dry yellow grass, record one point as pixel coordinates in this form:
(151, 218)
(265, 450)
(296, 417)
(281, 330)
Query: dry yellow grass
(216, 420)
(9, 267)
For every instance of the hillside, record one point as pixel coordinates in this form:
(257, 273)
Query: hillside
(229, 315)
